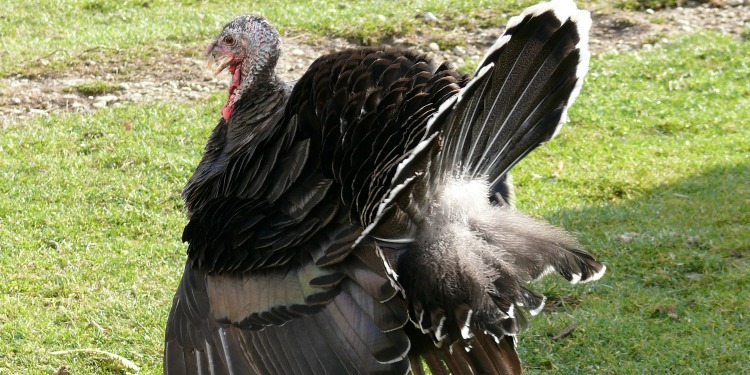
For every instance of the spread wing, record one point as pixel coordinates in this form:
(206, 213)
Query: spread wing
(273, 283)
(309, 200)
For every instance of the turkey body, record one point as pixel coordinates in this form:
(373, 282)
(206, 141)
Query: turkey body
(361, 220)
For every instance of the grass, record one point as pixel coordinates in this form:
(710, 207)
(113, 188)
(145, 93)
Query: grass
(90, 234)
(95, 87)
(652, 174)
(649, 4)
(55, 34)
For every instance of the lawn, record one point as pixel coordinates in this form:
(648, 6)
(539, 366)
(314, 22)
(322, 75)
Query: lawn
(56, 34)
(652, 174)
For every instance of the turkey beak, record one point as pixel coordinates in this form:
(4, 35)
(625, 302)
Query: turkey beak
(223, 62)
(217, 59)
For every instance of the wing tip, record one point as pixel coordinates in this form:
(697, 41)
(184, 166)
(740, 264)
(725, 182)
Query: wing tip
(535, 311)
(597, 275)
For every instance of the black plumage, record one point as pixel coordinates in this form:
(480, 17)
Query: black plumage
(361, 219)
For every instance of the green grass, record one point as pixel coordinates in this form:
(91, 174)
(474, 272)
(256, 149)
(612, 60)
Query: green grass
(91, 217)
(657, 150)
(89, 234)
(649, 4)
(56, 34)
(95, 87)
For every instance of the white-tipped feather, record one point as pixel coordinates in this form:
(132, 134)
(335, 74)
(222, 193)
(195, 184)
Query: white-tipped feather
(562, 9)
(392, 275)
(598, 275)
(199, 364)
(381, 207)
(400, 356)
(582, 19)
(547, 271)
(539, 308)
(411, 319)
(497, 340)
(227, 350)
(438, 332)
(421, 327)
(210, 356)
(565, 11)
(466, 329)
(508, 333)
(503, 40)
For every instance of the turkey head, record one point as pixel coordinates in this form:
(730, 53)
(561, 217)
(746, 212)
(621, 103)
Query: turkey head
(249, 47)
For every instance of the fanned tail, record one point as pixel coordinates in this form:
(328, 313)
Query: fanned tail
(466, 269)
(517, 99)
(519, 95)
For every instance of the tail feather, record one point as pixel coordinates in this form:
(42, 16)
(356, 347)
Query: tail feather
(474, 255)
(465, 270)
(482, 354)
(520, 92)
(462, 261)
(537, 248)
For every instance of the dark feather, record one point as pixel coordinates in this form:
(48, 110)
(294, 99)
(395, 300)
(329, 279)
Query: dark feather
(361, 221)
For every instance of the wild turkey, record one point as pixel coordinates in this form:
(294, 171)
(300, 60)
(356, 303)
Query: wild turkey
(360, 220)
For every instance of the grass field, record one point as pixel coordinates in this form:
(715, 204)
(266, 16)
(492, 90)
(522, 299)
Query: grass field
(652, 173)
(58, 33)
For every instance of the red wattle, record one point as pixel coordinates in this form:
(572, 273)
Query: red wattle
(226, 111)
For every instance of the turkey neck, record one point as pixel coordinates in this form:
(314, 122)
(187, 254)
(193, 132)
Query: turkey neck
(265, 96)
(254, 122)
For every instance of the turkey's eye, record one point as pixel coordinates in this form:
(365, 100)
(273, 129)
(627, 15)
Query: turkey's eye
(229, 40)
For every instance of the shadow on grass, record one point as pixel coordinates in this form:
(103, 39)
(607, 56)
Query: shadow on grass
(706, 215)
(677, 290)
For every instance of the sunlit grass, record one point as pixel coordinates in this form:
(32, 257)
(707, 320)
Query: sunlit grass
(47, 36)
(652, 174)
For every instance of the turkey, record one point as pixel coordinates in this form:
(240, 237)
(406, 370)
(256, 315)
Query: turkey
(360, 220)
